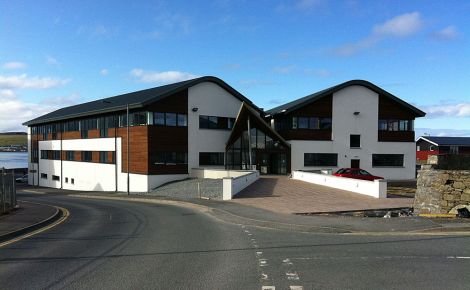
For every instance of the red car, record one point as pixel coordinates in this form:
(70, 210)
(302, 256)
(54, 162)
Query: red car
(356, 173)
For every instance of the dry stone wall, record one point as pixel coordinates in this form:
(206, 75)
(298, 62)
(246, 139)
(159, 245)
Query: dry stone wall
(439, 190)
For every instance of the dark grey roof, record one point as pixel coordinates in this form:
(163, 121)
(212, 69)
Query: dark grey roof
(447, 141)
(294, 105)
(135, 100)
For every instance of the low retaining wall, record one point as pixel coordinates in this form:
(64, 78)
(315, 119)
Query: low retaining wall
(376, 188)
(217, 173)
(233, 185)
(234, 181)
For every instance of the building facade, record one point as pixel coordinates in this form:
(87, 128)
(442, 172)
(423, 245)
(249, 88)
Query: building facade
(141, 140)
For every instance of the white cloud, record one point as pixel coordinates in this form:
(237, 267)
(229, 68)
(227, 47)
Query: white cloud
(14, 65)
(104, 72)
(446, 34)
(51, 60)
(13, 112)
(284, 69)
(399, 26)
(164, 77)
(24, 82)
(302, 5)
(441, 132)
(461, 110)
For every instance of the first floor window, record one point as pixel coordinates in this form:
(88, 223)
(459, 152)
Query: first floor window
(87, 156)
(211, 158)
(320, 159)
(103, 157)
(387, 160)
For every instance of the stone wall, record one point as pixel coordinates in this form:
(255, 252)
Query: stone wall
(438, 190)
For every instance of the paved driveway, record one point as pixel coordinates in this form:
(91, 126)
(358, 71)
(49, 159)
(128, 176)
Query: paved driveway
(284, 195)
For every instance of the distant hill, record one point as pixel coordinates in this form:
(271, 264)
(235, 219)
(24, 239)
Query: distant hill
(13, 133)
(15, 138)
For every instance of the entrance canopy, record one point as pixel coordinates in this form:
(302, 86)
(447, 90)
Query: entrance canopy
(253, 143)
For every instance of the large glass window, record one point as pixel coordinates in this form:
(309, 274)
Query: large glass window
(211, 158)
(395, 125)
(213, 122)
(170, 119)
(387, 160)
(320, 159)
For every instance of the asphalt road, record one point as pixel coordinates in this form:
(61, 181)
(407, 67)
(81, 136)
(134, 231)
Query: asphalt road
(125, 245)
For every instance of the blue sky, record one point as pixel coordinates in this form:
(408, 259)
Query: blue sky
(58, 53)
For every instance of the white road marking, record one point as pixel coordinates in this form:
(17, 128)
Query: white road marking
(296, 288)
(287, 262)
(268, 288)
(292, 276)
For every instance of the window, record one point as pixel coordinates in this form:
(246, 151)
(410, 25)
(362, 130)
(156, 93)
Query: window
(211, 158)
(158, 118)
(182, 120)
(55, 178)
(170, 119)
(171, 158)
(69, 155)
(355, 141)
(395, 125)
(43, 176)
(389, 160)
(320, 159)
(213, 122)
(87, 156)
(103, 157)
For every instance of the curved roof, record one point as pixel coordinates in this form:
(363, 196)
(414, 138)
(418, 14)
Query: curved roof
(294, 105)
(135, 100)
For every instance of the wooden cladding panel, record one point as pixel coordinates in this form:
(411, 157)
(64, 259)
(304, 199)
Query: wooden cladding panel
(71, 135)
(389, 109)
(396, 136)
(176, 103)
(320, 108)
(138, 144)
(306, 134)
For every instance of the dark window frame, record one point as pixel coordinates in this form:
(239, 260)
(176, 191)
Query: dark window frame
(315, 159)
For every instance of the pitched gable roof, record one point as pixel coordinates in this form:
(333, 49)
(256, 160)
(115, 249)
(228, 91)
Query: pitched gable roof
(135, 100)
(294, 105)
(446, 141)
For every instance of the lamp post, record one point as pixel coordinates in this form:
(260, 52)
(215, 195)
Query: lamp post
(127, 118)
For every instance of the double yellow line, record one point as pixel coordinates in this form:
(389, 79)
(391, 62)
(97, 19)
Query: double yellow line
(65, 215)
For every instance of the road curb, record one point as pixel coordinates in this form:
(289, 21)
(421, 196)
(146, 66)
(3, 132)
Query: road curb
(34, 227)
(229, 217)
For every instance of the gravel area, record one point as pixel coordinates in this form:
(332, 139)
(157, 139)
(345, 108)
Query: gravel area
(188, 188)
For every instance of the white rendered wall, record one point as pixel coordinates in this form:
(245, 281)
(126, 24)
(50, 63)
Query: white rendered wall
(345, 102)
(211, 100)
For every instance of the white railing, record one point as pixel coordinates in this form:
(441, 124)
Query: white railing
(376, 188)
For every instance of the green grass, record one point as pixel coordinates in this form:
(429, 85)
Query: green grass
(7, 140)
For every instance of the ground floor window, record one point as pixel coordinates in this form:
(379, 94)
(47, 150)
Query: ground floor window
(171, 158)
(320, 159)
(388, 160)
(211, 158)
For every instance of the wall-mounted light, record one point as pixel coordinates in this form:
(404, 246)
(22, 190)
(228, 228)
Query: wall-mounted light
(356, 113)
(194, 109)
